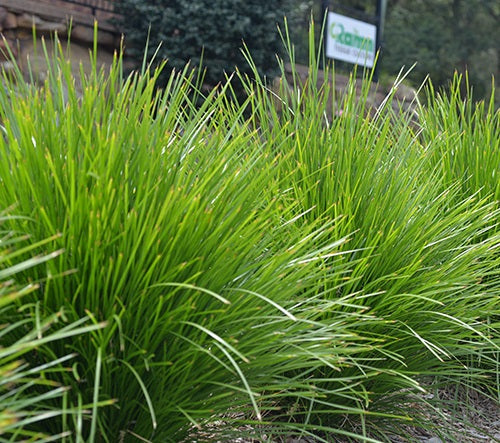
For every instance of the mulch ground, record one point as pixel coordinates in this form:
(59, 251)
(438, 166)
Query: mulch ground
(473, 418)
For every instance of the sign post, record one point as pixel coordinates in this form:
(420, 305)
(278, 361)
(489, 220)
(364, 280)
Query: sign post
(352, 40)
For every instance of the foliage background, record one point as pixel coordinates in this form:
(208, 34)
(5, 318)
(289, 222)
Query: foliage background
(207, 32)
(442, 36)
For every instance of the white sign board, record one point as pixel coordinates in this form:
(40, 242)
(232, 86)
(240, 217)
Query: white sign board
(350, 40)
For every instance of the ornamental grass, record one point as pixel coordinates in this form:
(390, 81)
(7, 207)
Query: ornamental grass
(256, 269)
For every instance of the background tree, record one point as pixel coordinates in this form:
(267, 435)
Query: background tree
(443, 36)
(215, 28)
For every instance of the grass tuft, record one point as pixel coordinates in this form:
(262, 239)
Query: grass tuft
(269, 267)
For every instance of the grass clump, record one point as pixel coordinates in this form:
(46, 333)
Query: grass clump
(422, 231)
(32, 396)
(263, 268)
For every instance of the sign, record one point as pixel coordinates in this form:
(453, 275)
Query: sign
(351, 40)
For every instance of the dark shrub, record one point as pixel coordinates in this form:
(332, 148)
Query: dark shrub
(211, 30)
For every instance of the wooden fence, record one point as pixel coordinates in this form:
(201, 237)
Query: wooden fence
(82, 12)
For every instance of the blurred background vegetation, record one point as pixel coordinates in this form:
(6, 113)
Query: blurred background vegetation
(441, 36)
